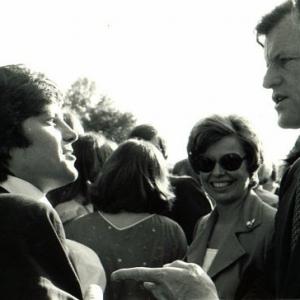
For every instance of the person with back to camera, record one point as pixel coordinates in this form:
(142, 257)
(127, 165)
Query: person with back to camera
(128, 229)
(190, 201)
(232, 241)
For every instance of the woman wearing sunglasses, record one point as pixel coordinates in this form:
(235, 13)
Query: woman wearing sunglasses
(231, 242)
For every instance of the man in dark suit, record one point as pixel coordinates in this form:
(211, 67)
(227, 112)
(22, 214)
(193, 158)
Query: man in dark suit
(36, 260)
(279, 34)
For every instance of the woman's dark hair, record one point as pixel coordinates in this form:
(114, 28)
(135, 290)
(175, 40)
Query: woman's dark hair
(211, 130)
(133, 179)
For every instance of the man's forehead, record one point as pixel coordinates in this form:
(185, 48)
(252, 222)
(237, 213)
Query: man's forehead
(52, 109)
(283, 38)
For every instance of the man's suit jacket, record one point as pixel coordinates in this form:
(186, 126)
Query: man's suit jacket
(190, 204)
(285, 265)
(242, 255)
(36, 261)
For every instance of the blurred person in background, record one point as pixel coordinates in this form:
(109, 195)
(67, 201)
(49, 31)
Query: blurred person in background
(232, 241)
(267, 186)
(91, 151)
(183, 168)
(128, 229)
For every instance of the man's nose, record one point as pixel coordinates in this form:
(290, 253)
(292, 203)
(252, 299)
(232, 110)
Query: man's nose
(272, 77)
(69, 135)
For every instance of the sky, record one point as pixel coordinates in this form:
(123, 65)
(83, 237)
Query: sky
(169, 62)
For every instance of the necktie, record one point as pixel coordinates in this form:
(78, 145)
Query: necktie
(296, 219)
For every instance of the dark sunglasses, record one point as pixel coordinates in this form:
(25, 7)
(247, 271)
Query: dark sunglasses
(229, 162)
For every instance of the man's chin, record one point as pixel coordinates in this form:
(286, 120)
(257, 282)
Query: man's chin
(287, 123)
(70, 175)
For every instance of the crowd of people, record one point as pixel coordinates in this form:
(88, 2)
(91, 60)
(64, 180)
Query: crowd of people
(82, 218)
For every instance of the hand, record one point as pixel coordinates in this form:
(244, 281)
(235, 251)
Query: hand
(175, 281)
(94, 292)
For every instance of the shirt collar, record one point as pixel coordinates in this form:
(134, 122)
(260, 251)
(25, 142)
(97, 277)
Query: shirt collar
(19, 186)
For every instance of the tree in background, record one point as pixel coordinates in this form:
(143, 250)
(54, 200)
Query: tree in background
(98, 113)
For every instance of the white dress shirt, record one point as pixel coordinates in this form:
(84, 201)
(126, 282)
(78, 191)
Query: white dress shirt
(17, 185)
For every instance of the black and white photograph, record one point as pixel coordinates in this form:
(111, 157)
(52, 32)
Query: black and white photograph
(150, 150)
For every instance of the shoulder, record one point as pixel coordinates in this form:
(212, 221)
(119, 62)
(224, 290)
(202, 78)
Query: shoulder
(258, 222)
(78, 250)
(79, 223)
(87, 264)
(262, 213)
(86, 219)
(267, 197)
(18, 200)
(255, 205)
(201, 224)
(203, 220)
(166, 221)
(291, 174)
(23, 208)
(70, 210)
(169, 225)
(182, 180)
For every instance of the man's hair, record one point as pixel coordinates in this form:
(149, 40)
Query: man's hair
(23, 94)
(133, 179)
(272, 19)
(147, 132)
(211, 130)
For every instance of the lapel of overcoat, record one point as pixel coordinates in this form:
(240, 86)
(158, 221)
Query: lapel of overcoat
(232, 249)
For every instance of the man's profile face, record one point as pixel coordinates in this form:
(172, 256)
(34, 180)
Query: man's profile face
(47, 162)
(282, 54)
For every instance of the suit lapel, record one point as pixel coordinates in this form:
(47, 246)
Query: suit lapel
(232, 249)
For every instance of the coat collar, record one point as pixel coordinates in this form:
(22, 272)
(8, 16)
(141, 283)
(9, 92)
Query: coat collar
(232, 249)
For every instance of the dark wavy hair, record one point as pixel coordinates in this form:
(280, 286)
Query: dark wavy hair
(273, 18)
(133, 179)
(23, 94)
(210, 130)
